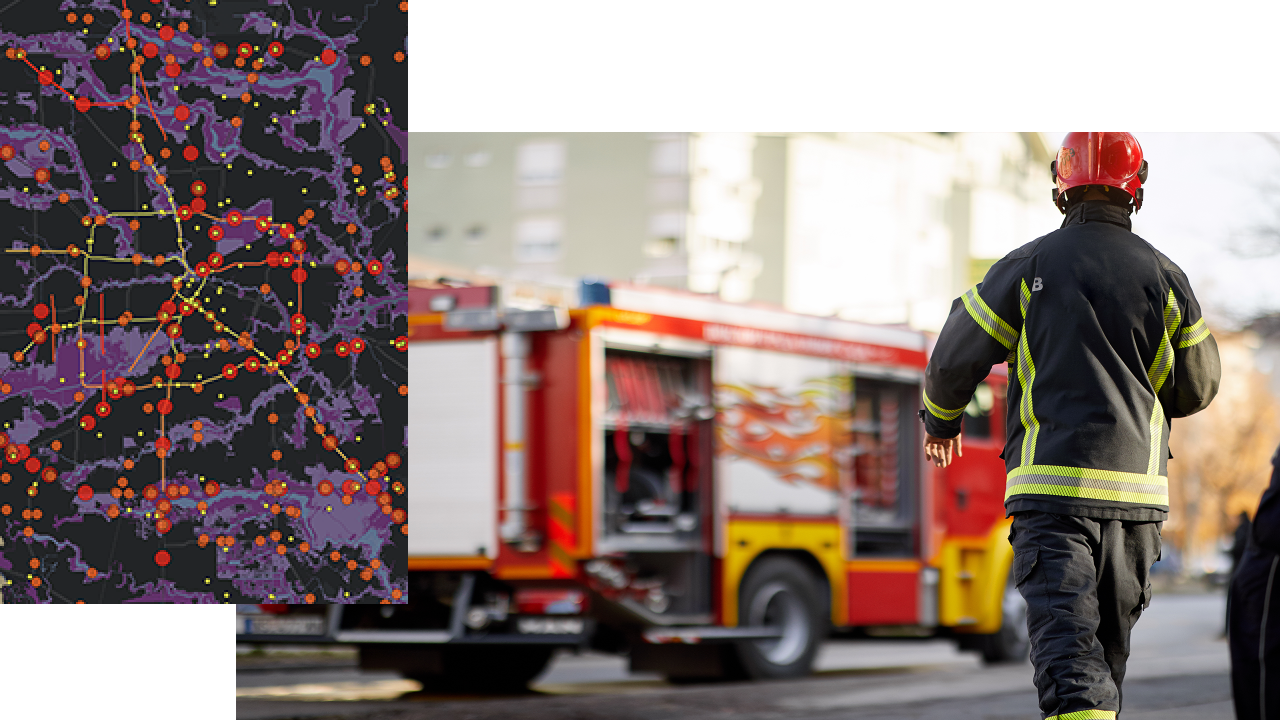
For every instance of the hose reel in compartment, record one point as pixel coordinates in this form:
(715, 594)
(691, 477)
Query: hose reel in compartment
(657, 442)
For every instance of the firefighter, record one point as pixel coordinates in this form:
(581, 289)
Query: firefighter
(1252, 617)
(1105, 344)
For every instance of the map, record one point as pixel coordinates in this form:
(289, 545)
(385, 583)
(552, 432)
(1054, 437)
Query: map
(203, 383)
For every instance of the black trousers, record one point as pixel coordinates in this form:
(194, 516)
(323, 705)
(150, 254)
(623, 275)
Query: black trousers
(1085, 581)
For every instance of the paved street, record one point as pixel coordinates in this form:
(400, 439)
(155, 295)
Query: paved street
(1179, 669)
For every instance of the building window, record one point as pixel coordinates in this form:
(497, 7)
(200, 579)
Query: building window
(540, 163)
(538, 239)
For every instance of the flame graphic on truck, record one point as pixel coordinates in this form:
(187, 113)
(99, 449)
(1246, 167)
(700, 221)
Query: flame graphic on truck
(795, 434)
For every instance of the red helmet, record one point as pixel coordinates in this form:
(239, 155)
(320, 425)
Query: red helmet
(1113, 159)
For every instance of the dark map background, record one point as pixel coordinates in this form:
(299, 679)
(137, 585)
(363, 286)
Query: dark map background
(311, 118)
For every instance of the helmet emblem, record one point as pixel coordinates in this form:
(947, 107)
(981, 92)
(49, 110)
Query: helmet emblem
(1065, 163)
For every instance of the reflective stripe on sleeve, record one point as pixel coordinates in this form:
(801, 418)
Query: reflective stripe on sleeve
(1109, 485)
(1192, 334)
(1085, 715)
(940, 413)
(987, 319)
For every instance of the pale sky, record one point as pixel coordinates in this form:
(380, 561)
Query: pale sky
(1203, 192)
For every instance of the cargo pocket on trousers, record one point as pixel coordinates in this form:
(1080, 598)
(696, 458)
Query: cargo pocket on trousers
(1023, 564)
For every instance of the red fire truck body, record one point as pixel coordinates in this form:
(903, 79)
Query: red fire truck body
(708, 486)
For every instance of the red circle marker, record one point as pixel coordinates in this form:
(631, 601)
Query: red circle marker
(7, 152)
(235, 217)
(215, 259)
(263, 224)
(186, 308)
(190, 153)
(198, 187)
(4, 439)
(183, 113)
(252, 364)
(245, 50)
(184, 212)
(43, 175)
(85, 492)
(162, 442)
(202, 269)
(373, 487)
(286, 259)
(174, 370)
(162, 556)
(275, 49)
(283, 357)
(328, 57)
(402, 343)
(325, 487)
(198, 205)
(357, 345)
(102, 52)
(166, 33)
(165, 406)
(87, 423)
(352, 465)
(45, 77)
(40, 337)
(221, 50)
(215, 234)
(49, 475)
(168, 307)
(342, 349)
(150, 50)
(393, 460)
(313, 350)
(299, 275)
(173, 70)
(103, 409)
(330, 443)
(273, 259)
(174, 331)
(374, 267)
(287, 230)
(229, 371)
(41, 311)
(83, 104)
(211, 488)
(163, 525)
(32, 465)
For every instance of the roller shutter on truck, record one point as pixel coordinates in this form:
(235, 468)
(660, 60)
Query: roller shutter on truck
(453, 442)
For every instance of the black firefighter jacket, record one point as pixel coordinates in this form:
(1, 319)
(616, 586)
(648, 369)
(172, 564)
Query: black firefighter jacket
(1105, 343)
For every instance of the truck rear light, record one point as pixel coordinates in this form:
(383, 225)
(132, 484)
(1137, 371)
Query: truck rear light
(550, 601)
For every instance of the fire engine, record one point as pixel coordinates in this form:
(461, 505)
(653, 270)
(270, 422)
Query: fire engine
(709, 487)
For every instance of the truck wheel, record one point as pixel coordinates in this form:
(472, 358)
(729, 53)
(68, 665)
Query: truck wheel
(1010, 644)
(780, 593)
(486, 669)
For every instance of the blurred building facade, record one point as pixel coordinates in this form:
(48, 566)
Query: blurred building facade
(878, 227)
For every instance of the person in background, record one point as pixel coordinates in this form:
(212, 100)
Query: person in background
(1253, 611)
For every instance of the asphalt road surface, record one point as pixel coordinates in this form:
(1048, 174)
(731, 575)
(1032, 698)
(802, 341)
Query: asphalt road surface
(1179, 670)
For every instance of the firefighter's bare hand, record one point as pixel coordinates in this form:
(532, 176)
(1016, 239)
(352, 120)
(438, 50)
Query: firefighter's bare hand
(940, 450)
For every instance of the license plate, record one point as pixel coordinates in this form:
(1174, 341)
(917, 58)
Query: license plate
(280, 625)
(549, 626)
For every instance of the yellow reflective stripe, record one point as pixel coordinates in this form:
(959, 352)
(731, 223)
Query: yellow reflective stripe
(1111, 485)
(1085, 715)
(1026, 379)
(987, 319)
(938, 412)
(1158, 373)
(1192, 335)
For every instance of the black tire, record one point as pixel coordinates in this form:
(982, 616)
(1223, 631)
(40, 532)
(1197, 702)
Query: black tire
(1010, 644)
(780, 592)
(486, 669)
